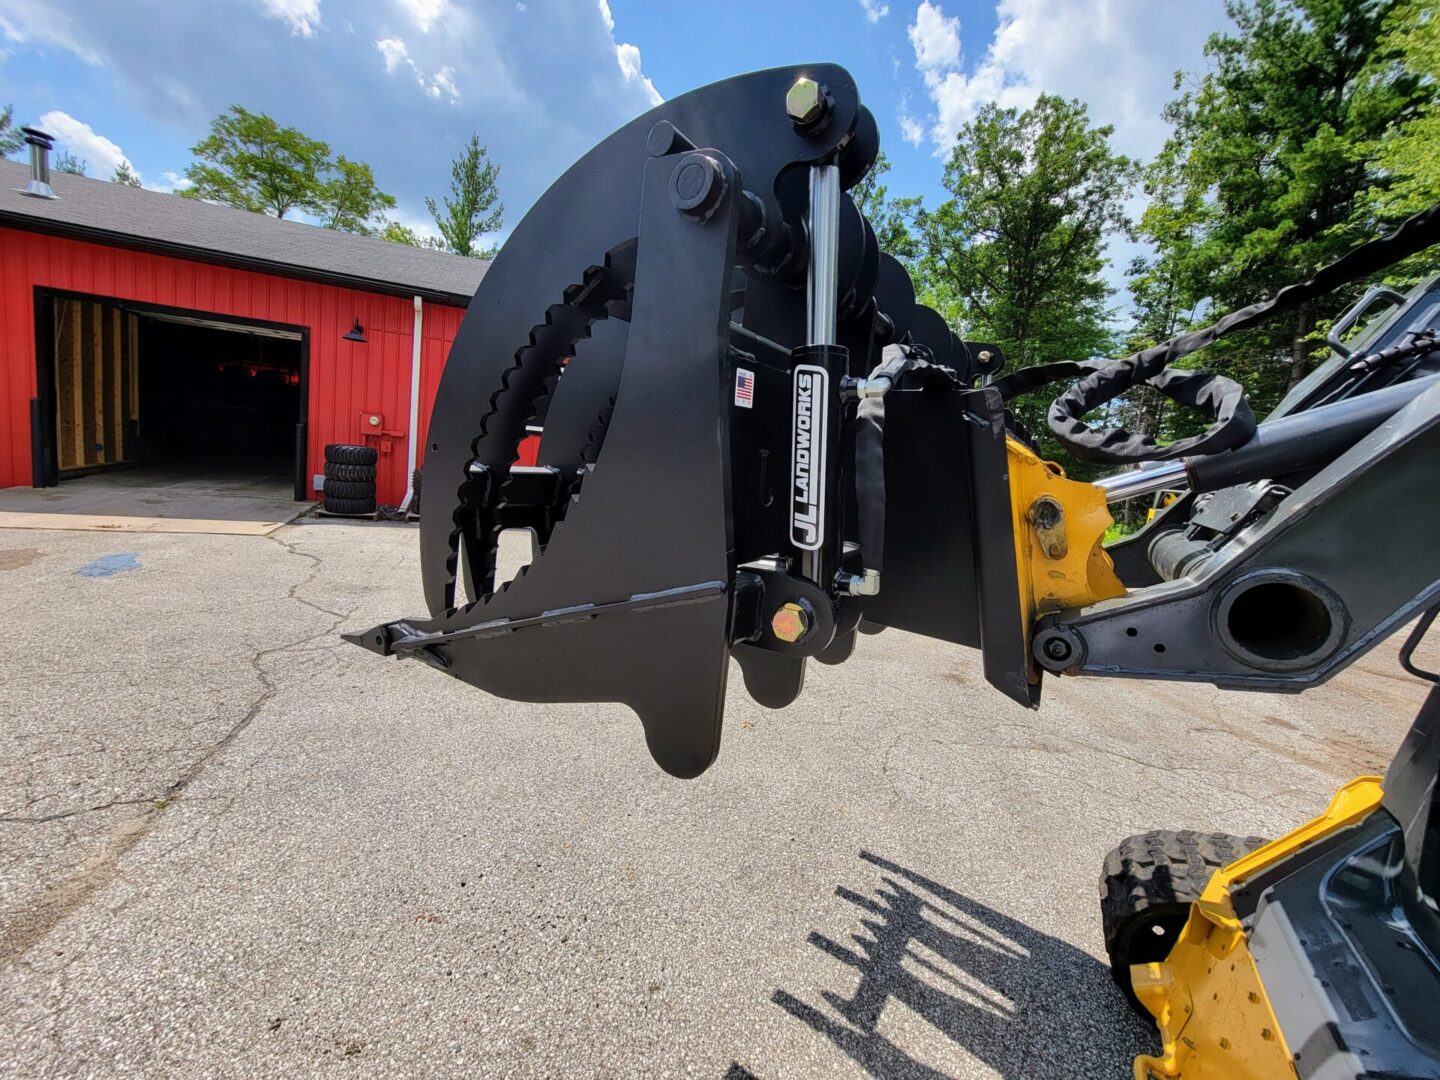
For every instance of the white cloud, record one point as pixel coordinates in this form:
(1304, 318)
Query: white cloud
(874, 10)
(101, 154)
(935, 39)
(394, 53)
(911, 130)
(173, 182)
(40, 22)
(302, 16)
(1118, 56)
(628, 57)
(425, 12)
(443, 82)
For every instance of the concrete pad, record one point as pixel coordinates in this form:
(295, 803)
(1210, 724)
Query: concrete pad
(154, 501)
(233, 846)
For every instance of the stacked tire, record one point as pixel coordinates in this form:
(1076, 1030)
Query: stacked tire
(349, 479)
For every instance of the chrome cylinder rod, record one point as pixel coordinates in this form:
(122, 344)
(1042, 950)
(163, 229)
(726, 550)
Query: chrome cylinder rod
(1143, 481)
(824, 253)
(820, 306)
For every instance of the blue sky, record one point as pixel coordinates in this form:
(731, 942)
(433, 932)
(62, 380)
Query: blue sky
(402, 83)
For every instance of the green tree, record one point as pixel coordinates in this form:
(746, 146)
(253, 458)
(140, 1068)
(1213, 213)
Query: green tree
(400, 234)
(10, 137)
(1271, 151)
(250, 162)
(1161, 289)
(67, 162)
(1409, 157)
(892, 219)
(124, 174)
(473, 208)
(1016, 256)
(350, 201)
(397, 233)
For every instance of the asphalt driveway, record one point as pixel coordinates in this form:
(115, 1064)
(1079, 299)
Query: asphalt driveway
(232, 845)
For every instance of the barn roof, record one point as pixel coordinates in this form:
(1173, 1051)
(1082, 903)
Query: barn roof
(130, 217)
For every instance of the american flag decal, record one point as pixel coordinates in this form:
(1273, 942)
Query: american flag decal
(744, 388)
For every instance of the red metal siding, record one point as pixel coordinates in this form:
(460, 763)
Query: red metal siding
(346, 379)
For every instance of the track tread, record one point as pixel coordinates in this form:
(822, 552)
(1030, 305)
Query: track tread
(350, 506)
(349, 473)
(350, 490)
(1153, 876)
(348, 454)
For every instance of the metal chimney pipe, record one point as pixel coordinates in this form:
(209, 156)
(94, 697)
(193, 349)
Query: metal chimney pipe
(40, 144)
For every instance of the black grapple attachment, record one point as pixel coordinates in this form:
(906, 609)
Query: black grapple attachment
(754, 443)
(691, 318)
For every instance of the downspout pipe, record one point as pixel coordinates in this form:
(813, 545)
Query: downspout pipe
(413, 441)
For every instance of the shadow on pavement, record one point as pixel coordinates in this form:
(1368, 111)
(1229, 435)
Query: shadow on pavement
(1022, 1002)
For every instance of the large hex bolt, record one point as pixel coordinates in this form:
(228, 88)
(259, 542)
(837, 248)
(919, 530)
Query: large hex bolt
(793, 621)
(1057, 649)
(697, 186)
(806, 102)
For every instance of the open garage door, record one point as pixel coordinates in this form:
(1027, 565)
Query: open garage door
(180, 397)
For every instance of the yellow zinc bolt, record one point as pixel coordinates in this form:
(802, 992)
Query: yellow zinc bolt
(790, 622)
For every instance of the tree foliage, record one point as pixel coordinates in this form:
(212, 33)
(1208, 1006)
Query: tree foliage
(397, 233)
(893, 218)
(251, 162)
(1016, 255)
(1409, 155)
(350, 201)
(10, 137)
(1268, 174)
(124, 174)
(472, 209)
(67, 162)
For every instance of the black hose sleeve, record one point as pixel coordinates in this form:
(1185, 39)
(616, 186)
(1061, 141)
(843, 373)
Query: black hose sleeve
(870, 460)
(1221, 398)
(1027, 379)
(870, 480)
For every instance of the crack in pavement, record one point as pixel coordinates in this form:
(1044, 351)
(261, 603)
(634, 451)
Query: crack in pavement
(18, 819)
(30, 926)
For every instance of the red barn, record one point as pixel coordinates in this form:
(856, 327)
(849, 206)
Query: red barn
(141, 329)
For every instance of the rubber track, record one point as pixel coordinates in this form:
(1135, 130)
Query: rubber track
(1162, 868)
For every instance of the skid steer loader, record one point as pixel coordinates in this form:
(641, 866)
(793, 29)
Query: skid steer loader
(756, 444)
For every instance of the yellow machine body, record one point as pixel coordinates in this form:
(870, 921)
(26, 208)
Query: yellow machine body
(1215, 1019)
(1059, 535)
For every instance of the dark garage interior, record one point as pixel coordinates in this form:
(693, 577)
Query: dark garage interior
(219, 401)
(177, 398)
